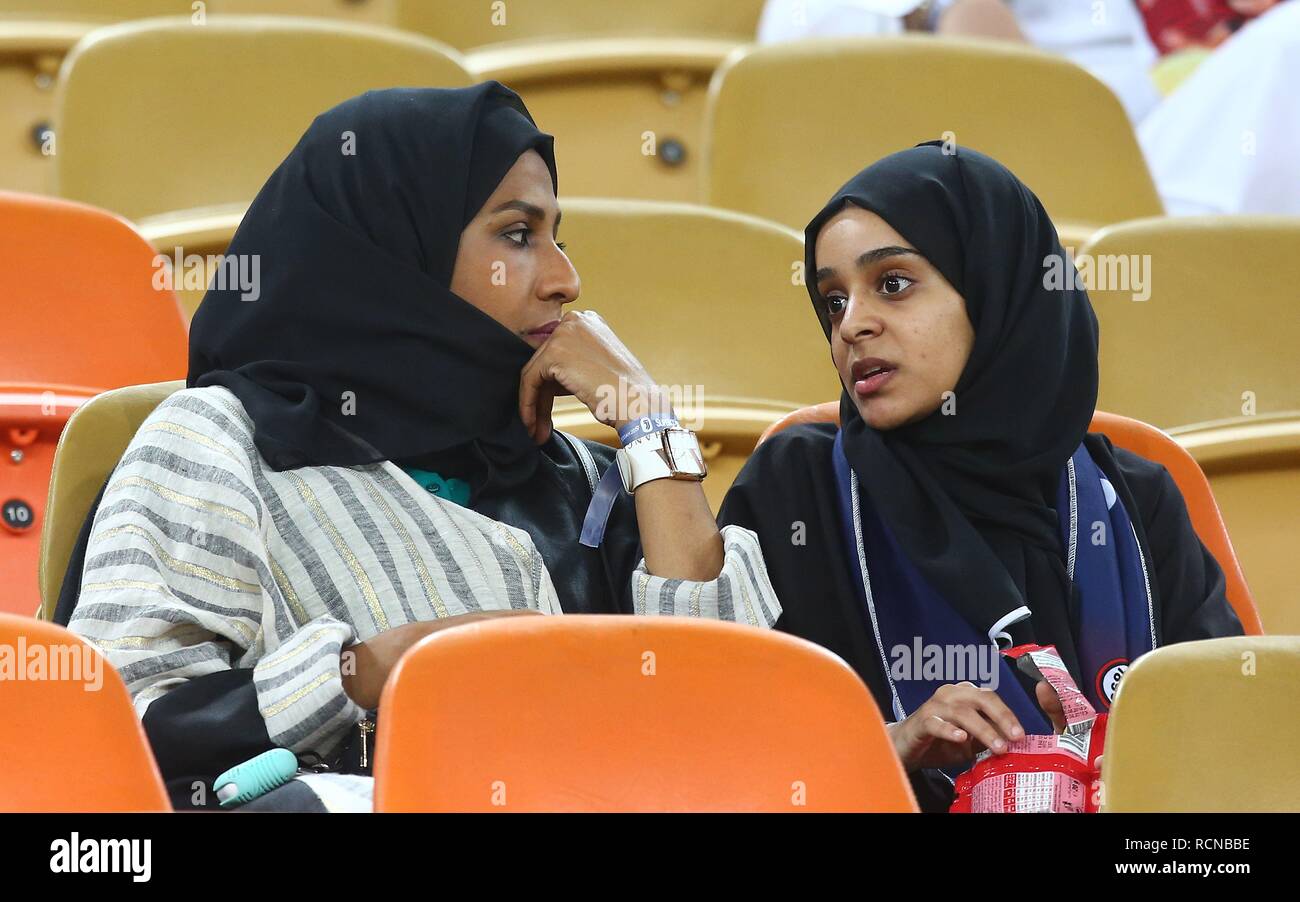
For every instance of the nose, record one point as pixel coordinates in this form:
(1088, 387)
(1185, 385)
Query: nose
(858, 322)
(558, 282)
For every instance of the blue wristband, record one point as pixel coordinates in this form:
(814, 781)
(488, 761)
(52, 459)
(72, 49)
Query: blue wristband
(647, 426)
(602, 500)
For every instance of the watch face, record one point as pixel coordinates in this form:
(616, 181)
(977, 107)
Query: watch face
(686, 458)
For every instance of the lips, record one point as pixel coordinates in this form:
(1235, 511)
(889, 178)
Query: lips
(870, 375)
(546, 330)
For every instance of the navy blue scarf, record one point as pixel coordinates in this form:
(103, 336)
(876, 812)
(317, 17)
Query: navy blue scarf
(905, 614)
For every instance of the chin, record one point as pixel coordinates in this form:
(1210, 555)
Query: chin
(880, 416)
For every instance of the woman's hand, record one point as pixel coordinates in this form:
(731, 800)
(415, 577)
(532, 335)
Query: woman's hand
(958, 722)
(584, 358)
(366, 665)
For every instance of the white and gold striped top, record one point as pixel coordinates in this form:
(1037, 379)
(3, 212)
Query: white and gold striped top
(202, 559)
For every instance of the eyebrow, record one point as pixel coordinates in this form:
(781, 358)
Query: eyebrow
(869, 257)
(532, 211)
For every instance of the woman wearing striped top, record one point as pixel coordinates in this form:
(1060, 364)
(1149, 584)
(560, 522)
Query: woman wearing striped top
(363, 452)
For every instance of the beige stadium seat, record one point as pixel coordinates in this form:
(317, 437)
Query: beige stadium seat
(788, 124)
(472, 24)
(187, 137)
(203, 235)
(709, 301)
(1218, 336)
(35, 35)
(375, 12)
(1253, 464)
(1206, 726)
(92, 443)
(624, 94)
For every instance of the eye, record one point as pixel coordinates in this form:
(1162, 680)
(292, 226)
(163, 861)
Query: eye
(892, 283)
(517, 236)
(561, 245)
(835, 305)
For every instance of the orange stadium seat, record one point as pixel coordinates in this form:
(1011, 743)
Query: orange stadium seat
(1151, 443)
(592, 713)
(70, 738)
(82, 315)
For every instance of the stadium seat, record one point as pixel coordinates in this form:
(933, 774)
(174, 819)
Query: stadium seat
(1217, 337)
(624, 95)
(187, 137)
(82, 314)
(1148, 442)
(72, 741)
(789, 123)
(1202, 507)
(93, 442)
(473, 24)
(619, 714)
(375, 12)
(684, 286)
(1254, 466)
(202, 236)
(35, 35)
(1206, 726)
(627, 113)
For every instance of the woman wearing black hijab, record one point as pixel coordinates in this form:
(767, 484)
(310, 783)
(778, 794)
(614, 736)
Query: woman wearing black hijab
(964, 505)
(405, 341)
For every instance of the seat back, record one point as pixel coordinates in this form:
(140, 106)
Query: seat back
(683, 284)
(93, 442)
(593, 713)
(70, 738)
(869, 97)
(1149, 442)
(1206, 726)
(1253, 463)
(91, 10)
(1198, 350)
(377, 12)
(188, 137)
(81, 305)
(82, 314)
(470, 23)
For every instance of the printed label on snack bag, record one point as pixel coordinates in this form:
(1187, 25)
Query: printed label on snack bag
(1040, 792)
(1045, 663)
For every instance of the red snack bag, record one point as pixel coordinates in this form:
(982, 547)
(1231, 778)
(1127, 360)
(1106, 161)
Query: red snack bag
(1055, 773)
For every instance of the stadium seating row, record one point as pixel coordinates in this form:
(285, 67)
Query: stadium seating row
(152, 118)
(69, 264)
(717, 717)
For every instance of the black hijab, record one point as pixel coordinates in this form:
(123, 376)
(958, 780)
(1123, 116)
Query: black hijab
(970, 495)
(356, 350)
